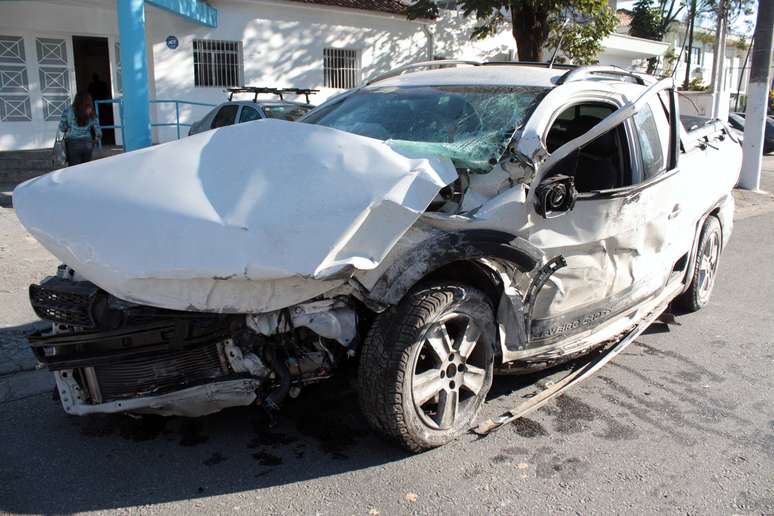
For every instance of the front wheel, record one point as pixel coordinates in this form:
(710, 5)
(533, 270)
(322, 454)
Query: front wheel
(426, 365)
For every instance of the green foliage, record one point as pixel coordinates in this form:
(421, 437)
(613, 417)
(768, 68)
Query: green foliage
(581, 38)
(733, 11)
(422, 9)
(651, 18)
(707, 38)
(669, 61)
(646, 21)
(697, 84)
(537, 23)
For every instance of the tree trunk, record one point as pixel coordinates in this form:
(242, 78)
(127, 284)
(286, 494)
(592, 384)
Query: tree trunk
(530, 30)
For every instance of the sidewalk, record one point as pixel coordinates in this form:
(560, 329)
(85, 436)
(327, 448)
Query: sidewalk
(22, 261)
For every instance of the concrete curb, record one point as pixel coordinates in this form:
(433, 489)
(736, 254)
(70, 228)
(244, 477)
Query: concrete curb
(22, 385)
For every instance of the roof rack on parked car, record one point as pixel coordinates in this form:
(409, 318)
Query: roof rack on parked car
(257, 90)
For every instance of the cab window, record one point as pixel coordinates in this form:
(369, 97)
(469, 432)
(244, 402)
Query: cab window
(653, 135)
(601, 164)
(225, 116)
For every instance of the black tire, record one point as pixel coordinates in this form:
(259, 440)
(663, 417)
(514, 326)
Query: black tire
(708, 252)
(400, 363)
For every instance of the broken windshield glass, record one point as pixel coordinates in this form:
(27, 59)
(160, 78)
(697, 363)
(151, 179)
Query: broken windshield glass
(471, 125)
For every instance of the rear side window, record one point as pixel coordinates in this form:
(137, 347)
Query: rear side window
(248, 114)
(653, 132)
(225, 116)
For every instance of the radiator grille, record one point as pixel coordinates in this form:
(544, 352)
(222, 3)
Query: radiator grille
(63, 302)
(159, 372)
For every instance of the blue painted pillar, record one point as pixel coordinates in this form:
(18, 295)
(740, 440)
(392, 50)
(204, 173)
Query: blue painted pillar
(134, 74)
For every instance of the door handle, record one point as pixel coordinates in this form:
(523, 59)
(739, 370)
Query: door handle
(675, 211)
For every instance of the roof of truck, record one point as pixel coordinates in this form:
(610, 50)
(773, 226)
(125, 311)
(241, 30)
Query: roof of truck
(493, 75)
(502, 75)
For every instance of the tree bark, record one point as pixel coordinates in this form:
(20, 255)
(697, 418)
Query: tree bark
(530, 30)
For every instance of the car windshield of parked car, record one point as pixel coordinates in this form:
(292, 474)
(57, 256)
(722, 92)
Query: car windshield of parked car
(472, 125)
(290, 112)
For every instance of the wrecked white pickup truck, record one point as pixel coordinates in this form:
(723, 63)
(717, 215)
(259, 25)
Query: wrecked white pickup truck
(437, 225)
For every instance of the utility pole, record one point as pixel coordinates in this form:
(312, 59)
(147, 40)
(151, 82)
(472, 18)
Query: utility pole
(718, 62)
(689, 53)
(757, 97)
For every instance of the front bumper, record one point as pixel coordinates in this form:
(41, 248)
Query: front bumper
(155, 361)
(192, 402)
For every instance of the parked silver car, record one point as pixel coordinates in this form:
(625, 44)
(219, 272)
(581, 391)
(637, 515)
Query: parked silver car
(238, 111)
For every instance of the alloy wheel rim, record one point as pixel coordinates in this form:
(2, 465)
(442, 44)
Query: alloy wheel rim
(708, 264)
(449, 371)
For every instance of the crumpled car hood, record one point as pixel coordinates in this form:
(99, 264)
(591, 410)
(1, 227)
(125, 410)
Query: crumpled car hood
(196, 223)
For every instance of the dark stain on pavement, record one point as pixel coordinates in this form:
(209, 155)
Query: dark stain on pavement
(570, 415)
(529, 428)
(145, 428)
(191, 433)
(265, 437)
(215, 458)
(515, 451)
(267, 459)
(331, 417)
(695, 366)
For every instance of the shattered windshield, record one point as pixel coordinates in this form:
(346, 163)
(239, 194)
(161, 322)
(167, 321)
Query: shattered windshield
(469, 124)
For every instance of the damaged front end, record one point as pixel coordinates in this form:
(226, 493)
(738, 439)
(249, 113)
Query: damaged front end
(110, 356)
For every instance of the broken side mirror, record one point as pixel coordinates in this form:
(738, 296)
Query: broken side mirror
(555, 195)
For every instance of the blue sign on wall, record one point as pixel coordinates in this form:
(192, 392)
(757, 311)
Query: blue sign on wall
(172, 42)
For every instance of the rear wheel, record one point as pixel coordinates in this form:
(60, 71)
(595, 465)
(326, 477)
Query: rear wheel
(426, 366)
(705, 267)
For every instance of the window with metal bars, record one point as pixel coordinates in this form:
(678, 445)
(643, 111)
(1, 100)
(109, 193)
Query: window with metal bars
(217, 63)
(341, 67)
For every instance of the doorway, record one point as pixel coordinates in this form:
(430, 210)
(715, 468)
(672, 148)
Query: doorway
(92, 74)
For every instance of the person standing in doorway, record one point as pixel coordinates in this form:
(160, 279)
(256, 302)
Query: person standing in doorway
(81, 129)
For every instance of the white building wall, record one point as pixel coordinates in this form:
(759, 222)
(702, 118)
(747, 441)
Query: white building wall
(282, 46)
(54, 21)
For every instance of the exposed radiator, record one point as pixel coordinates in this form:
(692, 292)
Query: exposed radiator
(158, 372)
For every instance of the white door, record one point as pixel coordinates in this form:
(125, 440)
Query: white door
(618, 239)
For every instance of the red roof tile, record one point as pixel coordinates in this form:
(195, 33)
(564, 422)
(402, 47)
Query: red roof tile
(383, 6)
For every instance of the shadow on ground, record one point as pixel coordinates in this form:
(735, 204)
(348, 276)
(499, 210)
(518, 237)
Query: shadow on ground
(15, 353)
(6, 200)
(111, 461)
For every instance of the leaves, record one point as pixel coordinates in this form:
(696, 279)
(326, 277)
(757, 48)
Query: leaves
(646, 21)
(537, 23)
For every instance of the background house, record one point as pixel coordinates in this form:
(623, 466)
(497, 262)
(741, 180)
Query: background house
(51, 49)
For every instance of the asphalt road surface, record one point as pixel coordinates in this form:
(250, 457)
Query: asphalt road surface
(681, 422)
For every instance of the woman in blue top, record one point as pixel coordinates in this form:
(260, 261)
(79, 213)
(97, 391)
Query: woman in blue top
(81, 129)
